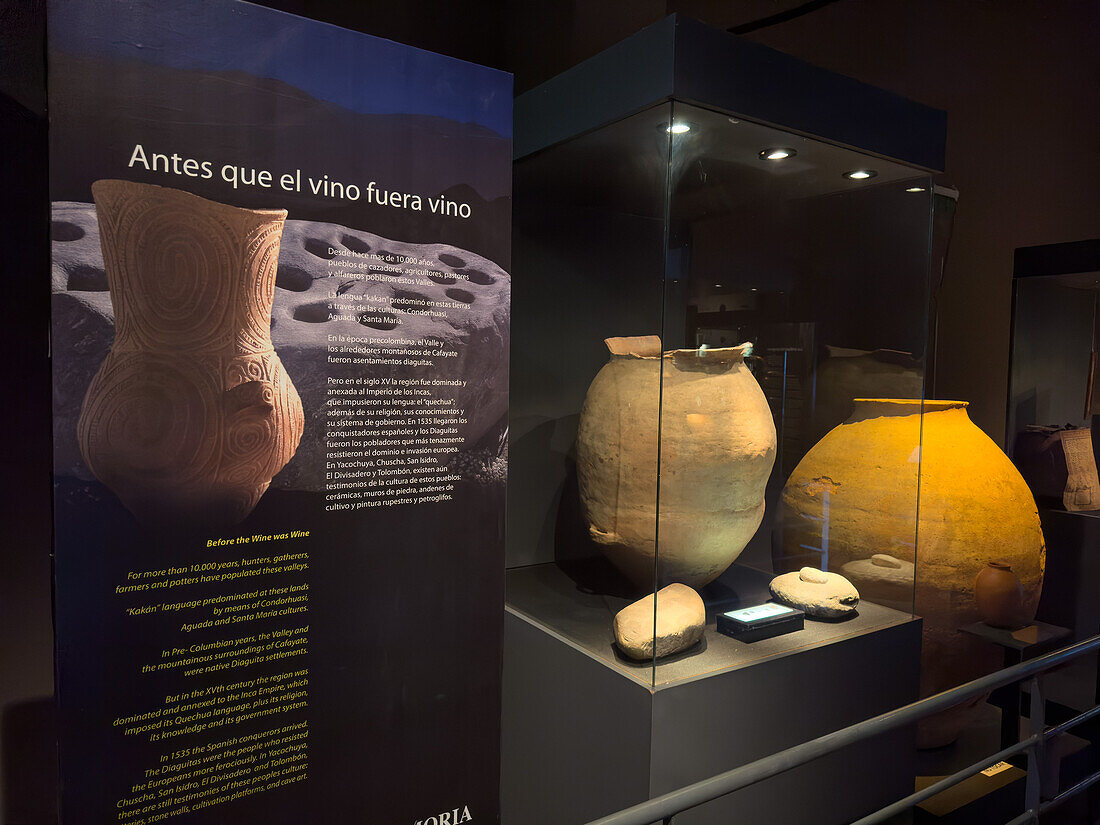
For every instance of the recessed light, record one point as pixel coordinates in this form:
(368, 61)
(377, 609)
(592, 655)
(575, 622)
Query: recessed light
(678, 128)
(916, 189)
(717, 286)
(777, 153)
(860, 174)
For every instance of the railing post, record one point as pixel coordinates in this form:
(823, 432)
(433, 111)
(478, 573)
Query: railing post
(1036, 754)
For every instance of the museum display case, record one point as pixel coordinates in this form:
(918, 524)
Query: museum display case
(290, 408)
(699, 315)
(1051, 434)
(1052, 400)
(720, 337)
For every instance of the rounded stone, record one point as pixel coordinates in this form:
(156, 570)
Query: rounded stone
(819, 594)
(678, 623)
(883, 579)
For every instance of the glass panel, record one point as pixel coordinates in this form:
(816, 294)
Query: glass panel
(589, 239)
(1053, 435)
(1054, 333)
(796, 283)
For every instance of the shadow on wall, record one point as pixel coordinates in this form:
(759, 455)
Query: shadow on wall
(28, 753)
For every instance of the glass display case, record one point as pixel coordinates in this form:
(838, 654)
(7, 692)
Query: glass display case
(720, 328)
(1052, 387)
(1053, 415)
(699, 299)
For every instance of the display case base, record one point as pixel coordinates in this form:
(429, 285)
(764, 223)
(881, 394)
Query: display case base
(1071, 598)
(587, 733)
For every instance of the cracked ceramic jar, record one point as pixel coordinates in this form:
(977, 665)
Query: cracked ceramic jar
(717, 446)
(191, 413)
(854, 496)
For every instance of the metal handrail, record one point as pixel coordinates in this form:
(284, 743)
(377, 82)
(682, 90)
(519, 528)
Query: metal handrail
(663, 808)
(947, 782)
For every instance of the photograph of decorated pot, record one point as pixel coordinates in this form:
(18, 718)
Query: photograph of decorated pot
(854, 495)
(716, 450)
(191, 414)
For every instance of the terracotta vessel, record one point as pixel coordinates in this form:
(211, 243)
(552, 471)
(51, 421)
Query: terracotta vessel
(710, 420)
(191, 414)
(1000, 597)
(855, 495)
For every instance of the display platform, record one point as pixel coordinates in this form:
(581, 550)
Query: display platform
(612, 733)
(1071, 597)
(1024, 643)
(544, 595)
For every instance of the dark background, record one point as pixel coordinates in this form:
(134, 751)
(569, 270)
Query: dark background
(1016, 77)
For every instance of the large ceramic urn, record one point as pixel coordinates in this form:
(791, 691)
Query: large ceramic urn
(696, 420)
(191, 414)
(855, 495)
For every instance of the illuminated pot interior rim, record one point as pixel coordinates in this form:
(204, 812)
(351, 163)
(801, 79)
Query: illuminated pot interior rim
(644, 350)
(905, 406)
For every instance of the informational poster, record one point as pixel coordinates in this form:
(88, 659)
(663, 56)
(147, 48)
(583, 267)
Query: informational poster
(280, 350)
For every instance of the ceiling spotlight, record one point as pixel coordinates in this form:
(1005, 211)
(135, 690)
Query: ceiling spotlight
(916, 189)
(678, 128)
(860, 174)
(777, 153)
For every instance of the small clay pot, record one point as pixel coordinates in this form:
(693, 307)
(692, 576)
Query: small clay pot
(1000, 597)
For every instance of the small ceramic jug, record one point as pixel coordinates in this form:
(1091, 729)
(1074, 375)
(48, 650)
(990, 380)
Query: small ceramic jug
(1000, 597)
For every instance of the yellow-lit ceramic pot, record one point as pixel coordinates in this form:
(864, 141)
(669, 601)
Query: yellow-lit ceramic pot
(855, 494)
